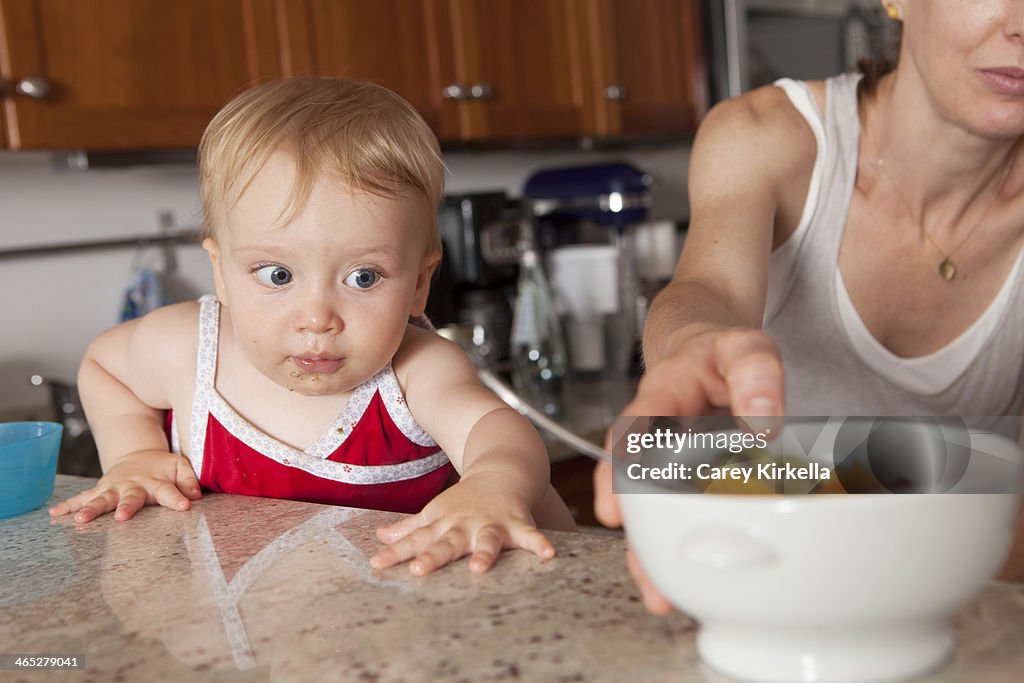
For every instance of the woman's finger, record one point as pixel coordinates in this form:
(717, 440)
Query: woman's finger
(606, 505)
(654, 601)
(752, 368)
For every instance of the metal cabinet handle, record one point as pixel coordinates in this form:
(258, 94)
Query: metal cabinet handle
(35, 87)
(455, 91)
(481, 91)
(616, 93)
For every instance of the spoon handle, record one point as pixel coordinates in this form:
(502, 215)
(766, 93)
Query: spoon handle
(514, 400)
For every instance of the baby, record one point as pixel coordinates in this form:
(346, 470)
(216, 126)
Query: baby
(307, 377)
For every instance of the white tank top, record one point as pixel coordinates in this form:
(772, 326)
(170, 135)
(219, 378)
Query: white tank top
(834, 366)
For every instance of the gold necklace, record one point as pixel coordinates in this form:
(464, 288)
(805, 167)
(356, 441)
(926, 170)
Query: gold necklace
(947, 269)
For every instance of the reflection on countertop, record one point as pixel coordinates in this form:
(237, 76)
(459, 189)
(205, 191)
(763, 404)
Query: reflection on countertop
(251, 589)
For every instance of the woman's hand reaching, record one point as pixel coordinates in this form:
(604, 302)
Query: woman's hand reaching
(737, 371)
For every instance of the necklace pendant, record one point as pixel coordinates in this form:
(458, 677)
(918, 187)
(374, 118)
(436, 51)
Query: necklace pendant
(947, 270)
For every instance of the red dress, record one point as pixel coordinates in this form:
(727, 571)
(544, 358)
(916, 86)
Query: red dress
(374, 456)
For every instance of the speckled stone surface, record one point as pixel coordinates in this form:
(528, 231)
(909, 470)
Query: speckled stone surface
(248, 589)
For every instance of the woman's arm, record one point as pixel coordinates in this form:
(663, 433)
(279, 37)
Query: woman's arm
(704, 350)
(749, 174)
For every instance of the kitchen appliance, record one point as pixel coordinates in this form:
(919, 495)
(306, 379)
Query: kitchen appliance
(577, 210)
(78, 453)
(468, 288)
(754, 42)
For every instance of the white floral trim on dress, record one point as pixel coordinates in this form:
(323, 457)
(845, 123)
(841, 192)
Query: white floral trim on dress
(207, 401)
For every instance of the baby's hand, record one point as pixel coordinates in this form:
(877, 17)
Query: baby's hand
(478, 515)
(138, 479)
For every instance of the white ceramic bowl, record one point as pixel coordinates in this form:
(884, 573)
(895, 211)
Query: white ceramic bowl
(825, 587)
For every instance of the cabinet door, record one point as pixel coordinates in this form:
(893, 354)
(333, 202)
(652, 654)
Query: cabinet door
(646, 70)
(128, 75)
(390, 42)
(517, 61)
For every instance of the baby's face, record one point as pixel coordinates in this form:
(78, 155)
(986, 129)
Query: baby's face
(320, 305)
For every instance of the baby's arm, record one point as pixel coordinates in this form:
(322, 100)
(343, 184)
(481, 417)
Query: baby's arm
(125, 381)
(502, 460)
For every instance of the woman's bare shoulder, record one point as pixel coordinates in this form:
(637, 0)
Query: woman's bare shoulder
(765, 114)
(757, 141)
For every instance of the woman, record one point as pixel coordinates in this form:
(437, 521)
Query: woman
(855, 244)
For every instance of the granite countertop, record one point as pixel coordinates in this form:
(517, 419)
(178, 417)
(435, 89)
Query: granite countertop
(250, 589)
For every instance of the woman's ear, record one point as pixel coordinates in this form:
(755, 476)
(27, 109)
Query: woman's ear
(213, 249)
(427, 267)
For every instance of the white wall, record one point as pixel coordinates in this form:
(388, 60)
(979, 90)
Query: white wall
(52, 306)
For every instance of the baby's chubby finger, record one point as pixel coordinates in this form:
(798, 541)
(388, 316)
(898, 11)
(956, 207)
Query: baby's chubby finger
(98, 505)
(528, 537)
(131, 500)
(168, 495)
(393, 533)
(74, 503)
(409, 544)
(186, 481)
(450, 547)
(489, 542)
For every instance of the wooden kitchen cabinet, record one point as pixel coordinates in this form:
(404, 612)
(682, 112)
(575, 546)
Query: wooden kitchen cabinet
(390, 42)
(644, 66)
(149, 74)
(113, 74)
(475, 69)
(513, 72)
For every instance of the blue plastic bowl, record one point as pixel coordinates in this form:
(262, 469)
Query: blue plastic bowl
(28, 464)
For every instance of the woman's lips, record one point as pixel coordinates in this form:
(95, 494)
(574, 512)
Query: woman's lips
(320, 365)
(1005, 80)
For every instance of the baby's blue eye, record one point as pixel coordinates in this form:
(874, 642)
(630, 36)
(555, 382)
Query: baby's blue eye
(274, 276)
(363, 278)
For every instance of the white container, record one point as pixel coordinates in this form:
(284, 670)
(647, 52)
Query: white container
(584, 280)
(829, 588)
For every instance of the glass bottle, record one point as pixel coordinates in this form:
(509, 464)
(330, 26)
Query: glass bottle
(537, 348)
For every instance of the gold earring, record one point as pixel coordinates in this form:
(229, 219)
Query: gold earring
(892, 10)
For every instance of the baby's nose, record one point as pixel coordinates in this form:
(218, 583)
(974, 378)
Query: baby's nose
(318, 317)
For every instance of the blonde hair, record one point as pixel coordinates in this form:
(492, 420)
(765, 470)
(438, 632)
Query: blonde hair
(360, 134)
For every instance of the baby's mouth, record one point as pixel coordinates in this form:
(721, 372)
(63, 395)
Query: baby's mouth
(319, 365)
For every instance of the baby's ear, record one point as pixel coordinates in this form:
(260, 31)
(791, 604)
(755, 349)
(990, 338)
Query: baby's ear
(213, 249)
(427, 267)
